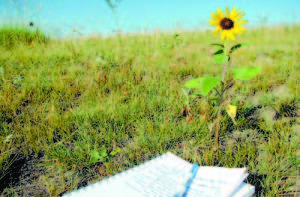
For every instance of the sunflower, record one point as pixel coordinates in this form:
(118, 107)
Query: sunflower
(228, 24)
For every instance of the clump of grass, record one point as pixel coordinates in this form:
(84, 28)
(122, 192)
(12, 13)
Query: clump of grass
(12, 37)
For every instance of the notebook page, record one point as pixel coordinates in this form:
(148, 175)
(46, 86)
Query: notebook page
(164, 178)
(244, 190)
(161, 177)
(216, 181)
(122, 184)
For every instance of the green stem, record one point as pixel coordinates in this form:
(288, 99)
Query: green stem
(187, 102)
(221, 96)
(217, 92)
(187, 98)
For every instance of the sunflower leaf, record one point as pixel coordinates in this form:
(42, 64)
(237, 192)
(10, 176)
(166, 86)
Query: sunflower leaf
(194, 83)
(221, 45)
(235, 47)
(208, 84)
(220, 58)
(218, 48)
(205, 84)
(247, 72)
(219, 52)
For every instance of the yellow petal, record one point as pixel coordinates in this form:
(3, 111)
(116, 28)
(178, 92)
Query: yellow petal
(220, 13)
(223, 35)
(239, 16)
(217, 30)
(241, 22)
(242, 28)
(213, 22)
(239, 30)
(227, 11)
(215, 16)
(232, 12)
(233, 17)
(228, 35)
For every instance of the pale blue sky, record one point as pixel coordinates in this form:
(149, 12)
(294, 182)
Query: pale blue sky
(62, 16)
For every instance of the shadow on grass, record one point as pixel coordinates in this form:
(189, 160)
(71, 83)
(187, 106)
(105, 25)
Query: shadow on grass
(256, 180)
(20, 171)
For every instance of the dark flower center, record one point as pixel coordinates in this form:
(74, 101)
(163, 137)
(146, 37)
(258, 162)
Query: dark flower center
(227, 23)
(31, 24)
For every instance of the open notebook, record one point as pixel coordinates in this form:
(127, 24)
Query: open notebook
(163, 175)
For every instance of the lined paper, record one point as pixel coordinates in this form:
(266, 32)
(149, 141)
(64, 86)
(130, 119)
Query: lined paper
(163, 175)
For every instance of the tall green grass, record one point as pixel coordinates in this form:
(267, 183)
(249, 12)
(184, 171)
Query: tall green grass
(19, 35)
(74, 100)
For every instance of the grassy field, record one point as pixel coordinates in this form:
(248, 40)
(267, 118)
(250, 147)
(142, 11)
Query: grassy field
(76, 111)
